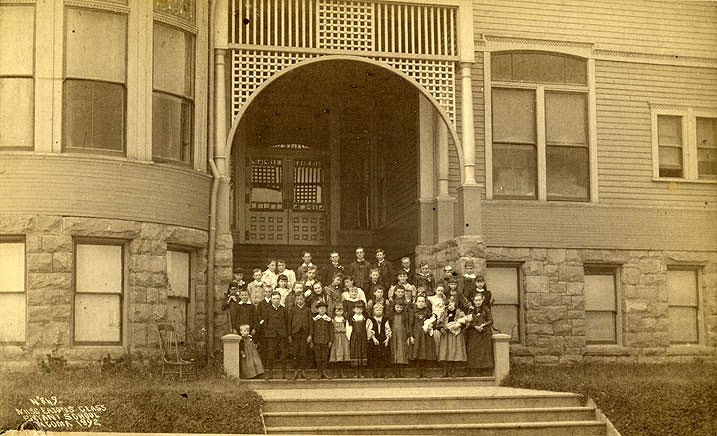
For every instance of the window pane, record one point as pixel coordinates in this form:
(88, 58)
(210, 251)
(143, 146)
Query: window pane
(94, 115)
(576, 71)
(12, 317)
(683, 324)
(565, 118)
(12, 267)
(706, 147)
(178, 273)
(16, 112)
(500, 65)
(670, 161)
(97, 318)
(503, 284)
(177, 316)
(514, 170)
(99, 268)
(567, 173)
(682, 288)
(538, 67)
(505, 319)
(600, 327)
(669, 130)
(514, 115)
(172, 119)
(600, 292)
(173, 58)
(96, 45)
(17, 24)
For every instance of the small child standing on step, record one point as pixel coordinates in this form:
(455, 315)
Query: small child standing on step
(423, 347)
(379, 333)
(340, 349)
(322, 335)
(400, 337)
(359, 340)
(249, 363)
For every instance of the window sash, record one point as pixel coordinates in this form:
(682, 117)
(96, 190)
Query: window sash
(13, 317)
(600, 327)
(89, 52)
(168, 142)
(94, 116)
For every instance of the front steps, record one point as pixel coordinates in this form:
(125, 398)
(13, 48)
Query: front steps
(463, 406)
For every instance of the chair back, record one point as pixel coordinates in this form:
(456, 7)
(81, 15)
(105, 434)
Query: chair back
(167, 341)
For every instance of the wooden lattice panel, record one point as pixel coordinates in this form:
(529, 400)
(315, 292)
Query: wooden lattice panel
(251, 68)
(345, 25)
(437, 77)
(267, 227)
(308, 228)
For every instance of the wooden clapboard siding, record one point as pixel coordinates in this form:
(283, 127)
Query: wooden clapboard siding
(523, 224)
(624, 92)
(660, 27)
(103, 188)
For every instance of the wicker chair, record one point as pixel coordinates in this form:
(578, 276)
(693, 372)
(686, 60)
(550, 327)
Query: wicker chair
(172, 361)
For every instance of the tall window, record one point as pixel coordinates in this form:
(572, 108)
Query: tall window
(601, 308)
(178, 271)
(539, 113)
(12, 292)
(17, 24)
(173, 96)
(707, 148)
(669, 136)
(99, 272)
(503, 281)
(94, 89)
(683, 297)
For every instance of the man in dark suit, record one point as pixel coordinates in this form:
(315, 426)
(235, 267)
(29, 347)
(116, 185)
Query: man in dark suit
(385, 269)
(360, 269)
(273, 323)
(334, 268)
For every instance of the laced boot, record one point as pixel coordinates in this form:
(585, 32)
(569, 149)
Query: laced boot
(295, 376)
(360, 372)
(445, 370)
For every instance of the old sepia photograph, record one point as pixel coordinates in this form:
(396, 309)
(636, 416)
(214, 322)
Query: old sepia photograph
(358, 217)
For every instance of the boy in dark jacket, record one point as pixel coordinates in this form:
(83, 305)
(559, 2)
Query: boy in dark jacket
(322, 336)
(299, 323)
(273, 325)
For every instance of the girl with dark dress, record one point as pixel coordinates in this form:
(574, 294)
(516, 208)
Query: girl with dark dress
(423, 347)
(479, 337)
(359, 339)
(379, 333)
(400, 337)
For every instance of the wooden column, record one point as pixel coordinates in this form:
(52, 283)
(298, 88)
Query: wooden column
(426, 176)
(444, 203)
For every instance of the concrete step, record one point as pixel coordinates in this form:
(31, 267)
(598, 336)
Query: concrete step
(567, 428)
(294, 401)
(467, 415)
(358, 383)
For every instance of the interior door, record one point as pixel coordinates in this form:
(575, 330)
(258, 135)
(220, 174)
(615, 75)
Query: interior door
(308, 215)
(267, 215)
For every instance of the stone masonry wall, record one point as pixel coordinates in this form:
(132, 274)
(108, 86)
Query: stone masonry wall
(553, 300)
(49, 281)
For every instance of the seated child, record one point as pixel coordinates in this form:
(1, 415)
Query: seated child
(438, 301)
(290, 274)
(322, 336)
(249, 364)
(379, 333)
(348, 284)
(340, 349)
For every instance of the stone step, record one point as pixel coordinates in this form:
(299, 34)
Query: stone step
(349, 383)
(301, 403)
(566, 428)
(467, 415)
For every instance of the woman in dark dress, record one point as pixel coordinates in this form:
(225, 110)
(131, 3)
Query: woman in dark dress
(479, 338)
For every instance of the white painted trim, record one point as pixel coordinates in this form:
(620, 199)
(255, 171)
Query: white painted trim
(540, 143)
(201, 81)
(689, 137)
(58, 75)
(134, 111)
(592, 134)
(507, 43)
(44, 72)
(488, 125)
(145, 69)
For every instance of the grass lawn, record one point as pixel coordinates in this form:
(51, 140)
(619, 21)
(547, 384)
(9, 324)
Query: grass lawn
(139, 401)
(639, 399)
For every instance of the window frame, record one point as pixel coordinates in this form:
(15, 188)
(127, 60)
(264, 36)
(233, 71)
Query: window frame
(518, 266)
(540, 89)
(160, 19)
(15, 240)
(30, 76)
(190, 298)
(700, 321)
(122, 295)
(65, 77)
(689, 114)
(614, 271)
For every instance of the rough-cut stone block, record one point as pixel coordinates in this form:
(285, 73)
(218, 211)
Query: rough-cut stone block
(138, 262)
(570, 273)
(57, 298)
(546, 315)
(632, 306)
(630, 276)
(578, 327)
(137, 334)
(570, 359)
(539, 329)
(558, 287)
(39, 313)
(95, 227)
(564, 327)
(549, 299)
(155, 247)
(62, 262)
(551, 270)
(187, 236)
(53, 243)
(15, 224)
(157, 264)
(533, 268)
(163, 295)
(577, 302)
(155, 231)
(224, 258)
(556, 256)
(39, 262)
(575, 341)
(573, 256)
(51, 281)
(61, 312)
(37, 297)
(225, 242)
(538, 253)
(651, 265)
(575, 288)
(536, 284)
(152, 295)
(47, 224)
(575, 314)
(654, 279)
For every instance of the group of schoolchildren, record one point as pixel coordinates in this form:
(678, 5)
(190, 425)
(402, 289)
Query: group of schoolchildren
(361, 316)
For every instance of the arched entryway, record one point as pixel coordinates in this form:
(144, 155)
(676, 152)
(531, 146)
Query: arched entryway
(336, 153)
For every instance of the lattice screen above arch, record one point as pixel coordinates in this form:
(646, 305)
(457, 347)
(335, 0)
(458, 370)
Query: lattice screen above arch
(252, 68)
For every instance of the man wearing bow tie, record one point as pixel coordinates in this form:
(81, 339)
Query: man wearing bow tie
(334, 268)
(360, 269)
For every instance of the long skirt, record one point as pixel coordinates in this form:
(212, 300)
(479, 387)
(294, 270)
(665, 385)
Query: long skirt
(452, 347)
(250, 364)
(399, 346)
(340, 350)
(480, 348)
(359, 346)
(424, 347)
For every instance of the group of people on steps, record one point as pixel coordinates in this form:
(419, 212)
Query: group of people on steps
(365, 315)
